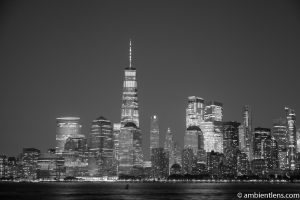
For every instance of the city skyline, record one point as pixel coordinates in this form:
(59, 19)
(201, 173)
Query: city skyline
(33, 99)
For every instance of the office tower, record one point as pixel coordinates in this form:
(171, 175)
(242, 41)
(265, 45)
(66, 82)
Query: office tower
(130, 150)
(213, 111)
(130, 108)
(259, 167)
(3, 166)
(191, 138)
(194, 111)
(230, 135)
(243, 165)
(291, 136)
(188, 161)
(298, 140)
(279, 132)
(214, 159)
(242, 139)
(66, 127)
(154, 133)
(116, 132)
(12, 167)
(160, 163)
(29, 159)
(177, 150)
(247, 124)
(269, 152)
(259, 135)
(130, 137)
(213, 136)
(169, 147)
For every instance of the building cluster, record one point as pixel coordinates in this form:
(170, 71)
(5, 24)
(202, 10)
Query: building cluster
(212, 147)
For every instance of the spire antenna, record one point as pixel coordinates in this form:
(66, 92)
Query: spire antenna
(129, 53)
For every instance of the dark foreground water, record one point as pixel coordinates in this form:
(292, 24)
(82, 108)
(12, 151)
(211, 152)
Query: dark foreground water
(155, 191)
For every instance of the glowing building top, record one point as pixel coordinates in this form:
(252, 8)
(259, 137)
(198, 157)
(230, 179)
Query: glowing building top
(130, 109)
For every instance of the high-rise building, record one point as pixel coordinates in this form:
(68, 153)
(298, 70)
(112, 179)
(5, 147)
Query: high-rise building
(130, 107)
(66, 127)
(191, 138)
(247, 125)
(214, 159)
(291, 136)
(169, 147)
(242, 139)
(298, 140)
(279, 132)
(259, 135)
(130, 137)
(213, 111)
(154, 133)
(3, 166)
(194, 111)
(29, 162)
(160, 163)
(230, 135)
(213, 136)
(116, 132)
(243, 165)
(269, 152)
(188, 161)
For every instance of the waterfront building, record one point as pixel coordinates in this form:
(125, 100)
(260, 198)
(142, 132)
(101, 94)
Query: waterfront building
(214, 160)
(160, 163)
(154, 133)
(29, 159)
(3, 166)
(66, 127)
(188, 161)
(291, 137)
(169, 147)
(279, 132)
(242, 139)
(259, 135)
(130, 137)
(269, 153)
(248, 132)
(259, 167)
(243, 165)
(101, 145)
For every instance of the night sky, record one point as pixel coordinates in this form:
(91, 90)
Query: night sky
(67, 58)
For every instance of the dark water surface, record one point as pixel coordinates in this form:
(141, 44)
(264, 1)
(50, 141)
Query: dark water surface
(155, 191)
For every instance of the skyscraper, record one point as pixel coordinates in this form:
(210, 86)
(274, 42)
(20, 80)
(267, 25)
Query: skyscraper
(212, 134)
(130, 108)
(160, 163)
(169, 147)
(66, 127)
(259, 135)
(194, 111)
(247, 125)
(291, 136)
(130, 138)
(213, 111)
(102, 145)
(279, 132)
(191, 138)
(154, 133)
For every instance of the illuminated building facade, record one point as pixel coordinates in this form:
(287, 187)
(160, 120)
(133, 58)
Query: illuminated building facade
(169, 147)
(242, 139)
(160, 163)
(191, 138)
(29, 160)
(243, 165)
(259, 135)
(248, 134)
(230, 135)
(66, 127)
(291, 137)
(188, 161)
(3, 166)
(213, 111)
(213, 136)
(154, 133)
(101, 144)
(279, 132)
(130, 137)
(269, 152)
(194, 111)
(130, 149)
(116, 133)
(214, 159)
(130, 108)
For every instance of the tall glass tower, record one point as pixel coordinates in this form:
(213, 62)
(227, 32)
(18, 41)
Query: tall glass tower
(291, 136)
(154, 133)
(130, 137)
(130, 108)
(247, 125)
